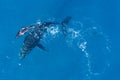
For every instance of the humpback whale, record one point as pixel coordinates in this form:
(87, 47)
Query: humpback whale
(35, 34)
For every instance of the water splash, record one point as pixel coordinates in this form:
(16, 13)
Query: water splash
(83, 35)
(93, 35)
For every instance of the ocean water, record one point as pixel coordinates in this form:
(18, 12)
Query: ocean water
(90, 51)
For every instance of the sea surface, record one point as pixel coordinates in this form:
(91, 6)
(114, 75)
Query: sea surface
(89, 51)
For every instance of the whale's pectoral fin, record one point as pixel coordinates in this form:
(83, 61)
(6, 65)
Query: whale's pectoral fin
(22, 56)
(41, 47)
(64, 24)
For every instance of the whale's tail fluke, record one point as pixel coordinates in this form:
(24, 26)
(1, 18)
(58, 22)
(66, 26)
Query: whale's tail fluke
(64, 24)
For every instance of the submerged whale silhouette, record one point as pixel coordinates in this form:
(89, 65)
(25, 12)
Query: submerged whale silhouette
(36, 33)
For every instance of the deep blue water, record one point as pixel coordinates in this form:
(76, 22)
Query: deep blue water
(90, 51)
